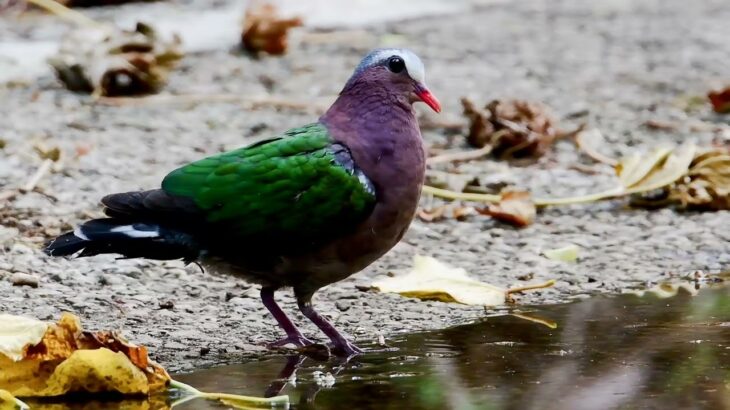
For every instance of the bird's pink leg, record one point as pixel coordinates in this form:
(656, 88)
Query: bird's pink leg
(293, 335)
(341, 346)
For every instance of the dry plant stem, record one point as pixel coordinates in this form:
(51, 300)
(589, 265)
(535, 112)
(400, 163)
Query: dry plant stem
(269, 402)
(33, 181)
(64, 12)
(595, 155)
(544, 322)
(543, 285)
(460, 156)
(467, 196)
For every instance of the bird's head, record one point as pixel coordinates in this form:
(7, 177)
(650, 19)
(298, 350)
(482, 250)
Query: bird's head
(396, 69)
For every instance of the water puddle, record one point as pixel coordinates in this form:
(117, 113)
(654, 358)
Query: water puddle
(605, 353)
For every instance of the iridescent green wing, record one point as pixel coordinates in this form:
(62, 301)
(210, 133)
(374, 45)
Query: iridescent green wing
(300, 187)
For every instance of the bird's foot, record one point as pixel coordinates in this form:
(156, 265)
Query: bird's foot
(345, 349)
(296, 341)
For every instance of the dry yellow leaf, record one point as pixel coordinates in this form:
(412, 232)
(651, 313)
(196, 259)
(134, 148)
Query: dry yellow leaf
(565, 254)
(707, 184)
(661, 168)
(431, 279)
(68, 359)
(8, 402)
(18, 332)
(91, 371)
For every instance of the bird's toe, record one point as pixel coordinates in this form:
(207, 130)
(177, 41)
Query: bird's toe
(295, 341)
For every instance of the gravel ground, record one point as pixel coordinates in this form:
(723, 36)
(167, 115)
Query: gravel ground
(611, 64)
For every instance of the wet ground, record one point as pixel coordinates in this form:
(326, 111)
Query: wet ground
(611, 64)
(625, 352)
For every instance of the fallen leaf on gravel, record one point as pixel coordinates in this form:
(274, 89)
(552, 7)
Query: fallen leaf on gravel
(688, 176)
(565, 254)
(664, 166)
(707, 183)
(264, 30)
(720, 100)
(67, 359)
(454, 211)
(430, 279)
(514, 128)
(515, 208)
(17, 332)
(114, 62)
(38, 359)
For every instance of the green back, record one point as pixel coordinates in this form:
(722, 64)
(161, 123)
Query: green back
(292, 188)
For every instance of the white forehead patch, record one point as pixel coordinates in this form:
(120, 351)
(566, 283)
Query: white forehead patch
(414, 66)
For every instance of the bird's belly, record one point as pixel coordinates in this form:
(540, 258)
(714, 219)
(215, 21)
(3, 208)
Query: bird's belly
(354, 251)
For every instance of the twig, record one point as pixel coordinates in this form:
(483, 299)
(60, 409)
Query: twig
(468, 196)
(33, 181)
(64, 12)
(544, 285)
(460, 155)
(595, 155)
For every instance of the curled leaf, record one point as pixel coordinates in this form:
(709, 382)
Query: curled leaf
(515, 208)
(430, 279)
(265, 31)
(707, 183)
(565, 254)
(114, 62)
(514, 128)
(68, 359)
(720, 100)
(662, 168)
(17, 333)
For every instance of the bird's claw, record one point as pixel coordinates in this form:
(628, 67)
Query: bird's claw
(345, 349)
(296, 341)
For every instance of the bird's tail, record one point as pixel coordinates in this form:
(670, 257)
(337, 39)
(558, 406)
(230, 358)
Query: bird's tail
(127, 238)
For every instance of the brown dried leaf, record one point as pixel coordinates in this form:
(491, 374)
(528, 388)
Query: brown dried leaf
(515, 208)
(455, 211)
(36, 368)
(720, 100)
(264, 30)
(515, 128)
(116, 62)
(707, 183)
(432, 215)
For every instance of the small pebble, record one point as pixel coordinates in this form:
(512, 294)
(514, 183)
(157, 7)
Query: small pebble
(343, 305)
(23, 279)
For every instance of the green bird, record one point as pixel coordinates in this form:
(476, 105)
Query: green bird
(305, 209)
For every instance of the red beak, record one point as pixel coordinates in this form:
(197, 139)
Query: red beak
(426, 96)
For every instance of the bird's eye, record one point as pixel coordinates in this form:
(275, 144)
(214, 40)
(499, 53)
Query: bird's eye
(396, 64)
